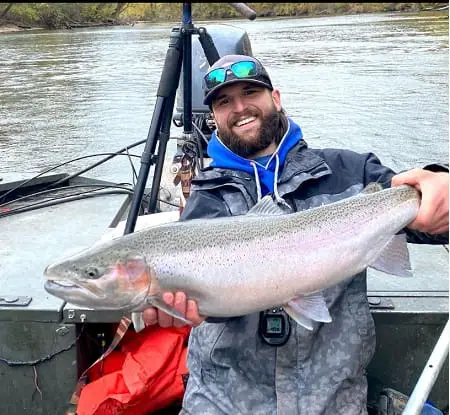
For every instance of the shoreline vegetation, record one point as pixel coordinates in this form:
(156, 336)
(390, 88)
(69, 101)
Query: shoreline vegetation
(29, 16)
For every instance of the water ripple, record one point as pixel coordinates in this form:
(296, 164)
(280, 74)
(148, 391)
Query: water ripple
(368, 82)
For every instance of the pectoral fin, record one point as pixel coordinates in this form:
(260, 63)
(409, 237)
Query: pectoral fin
(307, 309)
(157, 301)
(138, 321)
(304, 321)
(266, 207)
(372, 188)
(394, 259)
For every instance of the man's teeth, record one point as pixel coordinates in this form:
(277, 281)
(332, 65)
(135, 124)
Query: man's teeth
(245, 121)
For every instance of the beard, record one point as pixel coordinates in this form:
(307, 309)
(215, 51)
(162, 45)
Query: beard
(271, 131)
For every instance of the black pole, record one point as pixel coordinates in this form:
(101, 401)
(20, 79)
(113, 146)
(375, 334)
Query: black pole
(187, 29)
(179, 53)
(165, 95)
(163, 140)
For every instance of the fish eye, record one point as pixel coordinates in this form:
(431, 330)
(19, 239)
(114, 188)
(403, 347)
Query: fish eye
(92, 272)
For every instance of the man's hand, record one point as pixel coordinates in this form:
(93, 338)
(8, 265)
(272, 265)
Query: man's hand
(188, 308)
(433, 212)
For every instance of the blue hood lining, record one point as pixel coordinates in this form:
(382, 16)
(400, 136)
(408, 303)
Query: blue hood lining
(223, 157)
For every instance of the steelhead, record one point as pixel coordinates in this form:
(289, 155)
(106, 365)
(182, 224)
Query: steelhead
(242, 264)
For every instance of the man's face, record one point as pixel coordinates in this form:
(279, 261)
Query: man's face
(247, 117)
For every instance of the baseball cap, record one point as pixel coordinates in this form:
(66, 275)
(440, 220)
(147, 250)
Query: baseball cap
(230, 69)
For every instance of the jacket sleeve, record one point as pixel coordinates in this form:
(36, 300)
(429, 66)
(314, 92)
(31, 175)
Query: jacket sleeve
(204, 204)
(376, 172)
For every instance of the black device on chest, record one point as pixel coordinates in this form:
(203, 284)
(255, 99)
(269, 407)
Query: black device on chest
(274, 326)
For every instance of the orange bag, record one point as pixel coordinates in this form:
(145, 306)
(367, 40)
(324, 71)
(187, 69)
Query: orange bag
(144, 376)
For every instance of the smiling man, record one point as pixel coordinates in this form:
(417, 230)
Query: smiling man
(249, 114)
(265, 363)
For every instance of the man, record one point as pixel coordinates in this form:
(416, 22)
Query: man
(257, 150)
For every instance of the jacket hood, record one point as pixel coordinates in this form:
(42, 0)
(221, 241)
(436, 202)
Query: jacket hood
(265, 169)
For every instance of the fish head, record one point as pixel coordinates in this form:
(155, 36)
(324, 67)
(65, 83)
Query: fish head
(100, 279)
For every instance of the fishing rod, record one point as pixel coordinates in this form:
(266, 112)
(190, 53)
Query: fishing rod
(177, 66)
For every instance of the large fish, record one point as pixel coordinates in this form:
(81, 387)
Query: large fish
(242, 264)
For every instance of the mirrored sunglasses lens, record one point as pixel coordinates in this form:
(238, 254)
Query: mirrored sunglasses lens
(215, 77)
(244, 69)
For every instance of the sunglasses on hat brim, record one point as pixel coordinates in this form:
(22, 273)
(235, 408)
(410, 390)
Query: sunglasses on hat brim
(240, 70)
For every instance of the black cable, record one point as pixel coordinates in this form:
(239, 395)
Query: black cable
(168, 203)
(74, 197)
(96, 164)
(198, 128)
(63, 164)
(199, 144)
(79, 196)
(135, 176)
(74, 186)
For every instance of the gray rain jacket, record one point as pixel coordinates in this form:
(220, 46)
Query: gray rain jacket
(232, 371)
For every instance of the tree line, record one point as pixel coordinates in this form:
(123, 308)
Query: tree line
(72, 15)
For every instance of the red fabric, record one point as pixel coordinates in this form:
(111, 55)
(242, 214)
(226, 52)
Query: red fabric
(144, 376)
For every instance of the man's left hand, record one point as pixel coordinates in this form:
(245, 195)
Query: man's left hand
(434, 186)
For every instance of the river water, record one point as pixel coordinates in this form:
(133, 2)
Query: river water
(374, 82)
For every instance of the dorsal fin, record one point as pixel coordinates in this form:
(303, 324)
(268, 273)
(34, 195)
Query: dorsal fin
(266, 207)
(372, 188)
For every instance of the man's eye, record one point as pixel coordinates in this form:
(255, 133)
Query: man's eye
(223, 101)
(250, 91)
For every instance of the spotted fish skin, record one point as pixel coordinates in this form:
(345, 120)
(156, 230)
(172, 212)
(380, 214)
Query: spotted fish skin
(238, 265)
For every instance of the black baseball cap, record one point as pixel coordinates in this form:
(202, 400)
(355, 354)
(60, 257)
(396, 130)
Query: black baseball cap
(230, 69)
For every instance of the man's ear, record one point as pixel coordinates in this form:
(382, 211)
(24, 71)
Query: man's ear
(276, 99)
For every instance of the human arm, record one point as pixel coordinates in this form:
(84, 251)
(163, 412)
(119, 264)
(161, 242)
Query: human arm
(431, 225)
(432, 217)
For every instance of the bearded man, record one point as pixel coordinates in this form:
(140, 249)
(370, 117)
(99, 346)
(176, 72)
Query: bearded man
(251, 364)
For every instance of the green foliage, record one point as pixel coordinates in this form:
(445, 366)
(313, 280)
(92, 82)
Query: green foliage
(57, 15)
(27, 13)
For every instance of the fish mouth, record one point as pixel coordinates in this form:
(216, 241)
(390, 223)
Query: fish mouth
(65, 288)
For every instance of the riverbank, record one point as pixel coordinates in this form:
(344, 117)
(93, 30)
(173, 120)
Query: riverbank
(12, 27)
(17, 17)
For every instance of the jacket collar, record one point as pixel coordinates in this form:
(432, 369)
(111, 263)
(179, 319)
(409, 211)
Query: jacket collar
(300, 159)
